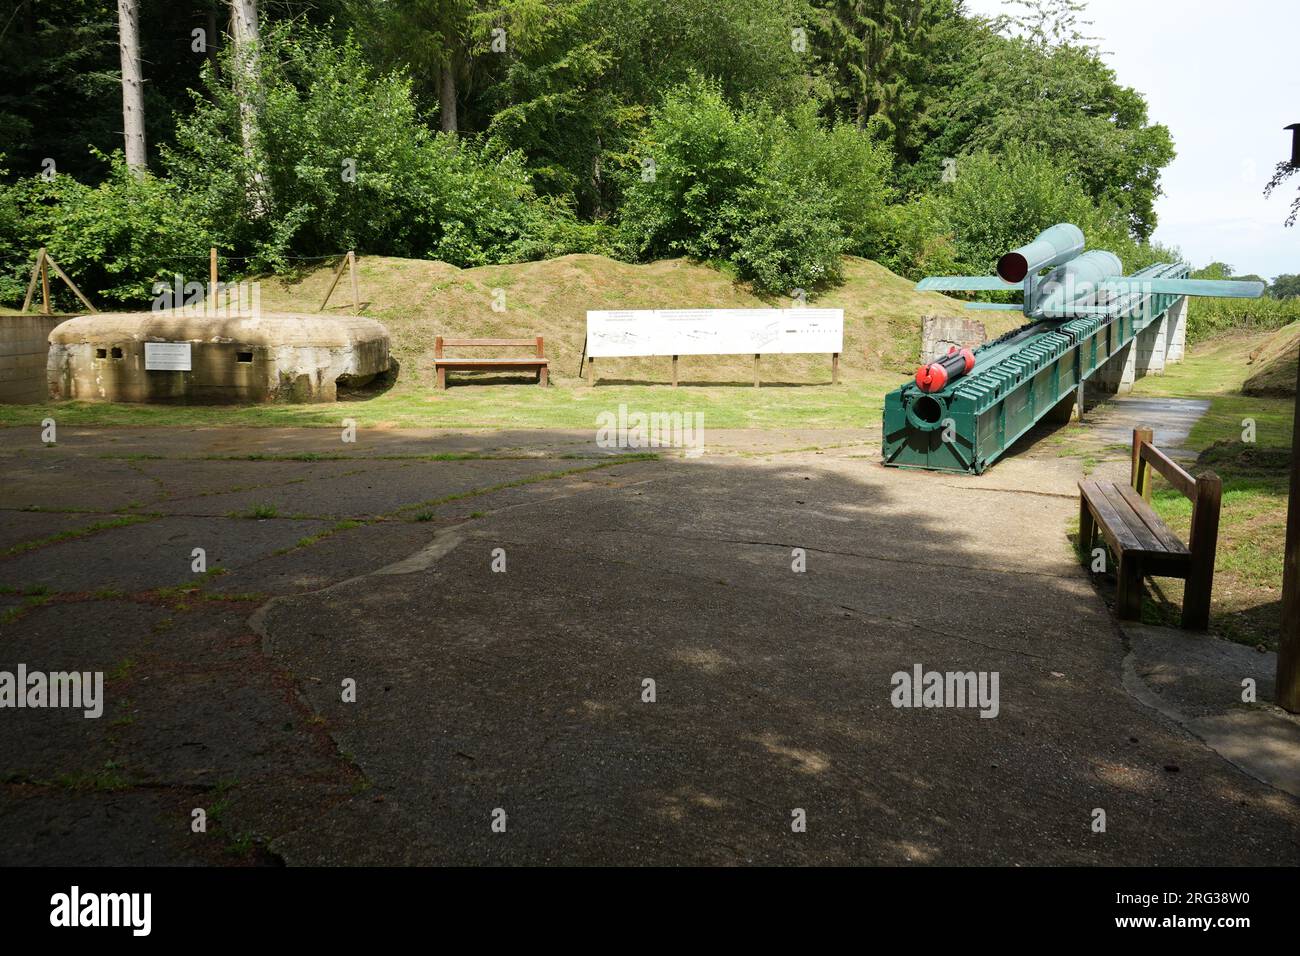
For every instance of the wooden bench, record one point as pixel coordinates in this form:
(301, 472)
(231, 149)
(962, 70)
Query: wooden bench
(1142, 542)
(537, 363)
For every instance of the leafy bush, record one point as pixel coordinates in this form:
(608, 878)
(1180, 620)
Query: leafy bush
(918, 239)
(998, 202)
(779, 198)
(1207, 318)
(790, 239)
(342, 160)
(116, 238)
(339, 160)
(844, 166)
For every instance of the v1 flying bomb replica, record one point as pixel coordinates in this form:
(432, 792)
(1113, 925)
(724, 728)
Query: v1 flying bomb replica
(962, 411)
(1079, 283)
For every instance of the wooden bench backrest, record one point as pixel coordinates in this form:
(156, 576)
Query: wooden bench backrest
(1204, 492)
(441, 341)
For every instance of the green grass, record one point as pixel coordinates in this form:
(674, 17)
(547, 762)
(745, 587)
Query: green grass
(1255, 475)
(418, 300)
(72, 533)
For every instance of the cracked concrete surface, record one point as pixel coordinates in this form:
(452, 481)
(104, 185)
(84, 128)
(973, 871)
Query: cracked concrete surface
(522, 690)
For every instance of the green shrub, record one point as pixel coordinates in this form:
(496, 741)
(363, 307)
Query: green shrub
(342, 160)
(323, 115)
(116, 239)
(844, 166)
(998, 202)
(779, 199)
(1208, 318)
(790, 239)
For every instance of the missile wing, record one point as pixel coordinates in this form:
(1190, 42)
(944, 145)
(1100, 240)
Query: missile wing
(966, 284)
(1224, 288)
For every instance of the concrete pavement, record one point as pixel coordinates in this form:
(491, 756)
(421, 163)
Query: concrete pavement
(484, 693)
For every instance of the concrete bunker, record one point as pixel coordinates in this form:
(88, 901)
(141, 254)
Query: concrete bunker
(247, 357)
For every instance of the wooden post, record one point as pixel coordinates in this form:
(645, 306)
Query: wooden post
(212, 279)
(1128, 590)
(1288, 650)
(36, 275)
(756, 371)
(1139, 476)
(1202, 540)
(835, 368)
(356, 294)
(45, 284)
(674, 371)
(68, 282)
(592, 366)
(1087, 530)
(338, 274)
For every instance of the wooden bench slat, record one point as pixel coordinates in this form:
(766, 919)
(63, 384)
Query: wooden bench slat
(1113, 528)
(529, 362)
(1147, 541)
(489, 343)
(1152, 520)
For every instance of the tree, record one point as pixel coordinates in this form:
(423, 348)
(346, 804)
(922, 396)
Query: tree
(1049, 23)
(128, 20)
(1061, 99)
(575, 88)
(877, 54)
(434, 40)
(1285, 286)
(247, 69)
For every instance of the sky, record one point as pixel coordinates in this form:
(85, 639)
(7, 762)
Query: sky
(1224, 77)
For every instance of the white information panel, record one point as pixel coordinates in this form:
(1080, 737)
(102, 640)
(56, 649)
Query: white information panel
(167, 356)
(713, 332)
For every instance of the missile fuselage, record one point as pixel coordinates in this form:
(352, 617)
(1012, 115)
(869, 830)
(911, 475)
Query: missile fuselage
(1077, 282)
(1054, 246)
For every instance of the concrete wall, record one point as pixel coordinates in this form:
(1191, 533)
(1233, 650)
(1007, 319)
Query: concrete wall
(243, 358)
(24, 347)
(939, 333)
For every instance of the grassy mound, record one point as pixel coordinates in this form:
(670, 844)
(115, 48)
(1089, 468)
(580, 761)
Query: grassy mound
(419, 300)
(1274, 364)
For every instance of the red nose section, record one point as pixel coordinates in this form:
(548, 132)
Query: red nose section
(931, 378)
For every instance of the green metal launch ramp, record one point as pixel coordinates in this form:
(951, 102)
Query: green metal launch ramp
(963, 417)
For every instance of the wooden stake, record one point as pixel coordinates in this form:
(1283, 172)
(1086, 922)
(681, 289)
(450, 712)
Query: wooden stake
(338, 274)
(835, 368)
(356, 295)
(45, 283)
(36, 274)
(70, 284)
(1288, 651)
(756, 371)
(212, 278)
(592, 362)
(674, 371)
